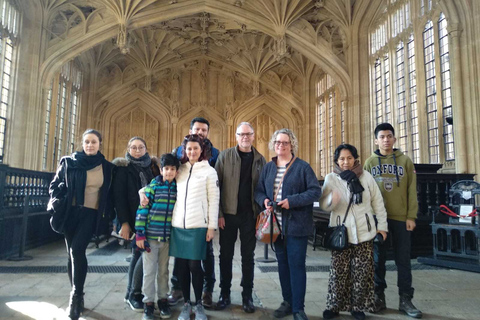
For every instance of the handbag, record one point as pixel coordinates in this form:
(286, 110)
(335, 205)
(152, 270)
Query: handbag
(336, 238)
(57, 206)
(267, 227)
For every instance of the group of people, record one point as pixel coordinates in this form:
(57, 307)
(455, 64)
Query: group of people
(172, 206)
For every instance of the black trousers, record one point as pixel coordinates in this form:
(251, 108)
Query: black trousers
(208, 267)
(228, 236)
(135, 274)
(190, 271)
(400, 238)
(79, 230)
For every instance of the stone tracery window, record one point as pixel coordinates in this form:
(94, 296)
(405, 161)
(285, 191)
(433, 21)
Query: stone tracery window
(394, 73)
(9, 24)
(330, 118)
(62, 109)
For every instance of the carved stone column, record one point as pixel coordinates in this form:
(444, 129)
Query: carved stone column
(458, 110)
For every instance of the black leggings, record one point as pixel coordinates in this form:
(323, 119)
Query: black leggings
(190, 270)
(78, 233)
(135, 274)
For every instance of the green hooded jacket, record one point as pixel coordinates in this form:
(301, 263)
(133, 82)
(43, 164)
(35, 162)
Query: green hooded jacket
(396, 177)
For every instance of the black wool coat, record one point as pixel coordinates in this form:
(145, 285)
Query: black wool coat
(126, 184)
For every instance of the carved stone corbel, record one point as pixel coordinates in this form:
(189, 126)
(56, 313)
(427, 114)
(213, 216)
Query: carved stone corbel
(122, 39)
(148, 81)
(280, 48)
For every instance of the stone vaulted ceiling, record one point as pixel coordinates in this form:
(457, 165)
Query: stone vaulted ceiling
(252, 37)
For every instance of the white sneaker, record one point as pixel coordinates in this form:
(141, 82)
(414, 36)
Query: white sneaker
(115, 235)
(200, 312)
(186, 311)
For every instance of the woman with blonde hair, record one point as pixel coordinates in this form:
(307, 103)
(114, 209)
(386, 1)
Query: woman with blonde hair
(288, 186)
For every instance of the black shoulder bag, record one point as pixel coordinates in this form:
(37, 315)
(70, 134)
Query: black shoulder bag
(336, 238)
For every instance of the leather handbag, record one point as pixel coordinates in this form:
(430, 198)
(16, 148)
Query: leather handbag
(267, 227)
(336, 238)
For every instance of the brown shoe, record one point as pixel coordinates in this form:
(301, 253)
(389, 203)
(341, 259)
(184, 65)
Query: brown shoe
(207, 299)
(174, 297)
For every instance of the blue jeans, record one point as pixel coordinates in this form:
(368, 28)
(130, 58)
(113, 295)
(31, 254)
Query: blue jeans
(400, 238)
(291, 254)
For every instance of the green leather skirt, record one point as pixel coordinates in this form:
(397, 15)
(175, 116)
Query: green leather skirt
(188, 244)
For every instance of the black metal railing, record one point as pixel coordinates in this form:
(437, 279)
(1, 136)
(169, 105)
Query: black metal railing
(24, 222)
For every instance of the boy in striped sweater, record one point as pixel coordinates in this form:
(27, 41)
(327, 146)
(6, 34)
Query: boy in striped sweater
(153, 223)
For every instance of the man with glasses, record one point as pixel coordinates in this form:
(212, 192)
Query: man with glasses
(240, 166)
(199, 126)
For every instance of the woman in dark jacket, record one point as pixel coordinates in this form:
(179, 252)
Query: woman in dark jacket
(86, 176)
(134, 172)
(293, 205)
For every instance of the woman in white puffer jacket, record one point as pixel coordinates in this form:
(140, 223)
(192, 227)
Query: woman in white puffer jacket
(194, 220)
(351, 280)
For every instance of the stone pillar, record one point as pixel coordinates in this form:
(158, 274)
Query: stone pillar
(458, 110)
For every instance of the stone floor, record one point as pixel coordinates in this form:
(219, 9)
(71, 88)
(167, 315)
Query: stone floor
(439, 293)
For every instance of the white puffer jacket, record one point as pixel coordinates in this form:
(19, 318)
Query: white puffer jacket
(198, 197)
(360, 223)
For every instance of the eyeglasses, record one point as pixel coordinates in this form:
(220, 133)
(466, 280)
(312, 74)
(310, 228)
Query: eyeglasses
(283, 143)
(248, 134)
(137, 148)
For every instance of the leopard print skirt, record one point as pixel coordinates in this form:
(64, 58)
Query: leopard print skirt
(351, 281)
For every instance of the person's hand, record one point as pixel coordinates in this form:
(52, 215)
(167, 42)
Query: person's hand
(411, 225)
(284, 204)
(140, 244)
(336, 196)
(384, 234)
(210, 234)
(143, 199)
(265, 202)
(221, 223)
(125, 231)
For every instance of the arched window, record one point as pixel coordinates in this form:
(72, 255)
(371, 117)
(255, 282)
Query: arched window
(62, 109)
(395, 73)
(9, 24)
(330, 126)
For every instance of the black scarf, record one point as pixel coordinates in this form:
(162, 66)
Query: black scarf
(81, 163)
(142, 166)
(351, 177)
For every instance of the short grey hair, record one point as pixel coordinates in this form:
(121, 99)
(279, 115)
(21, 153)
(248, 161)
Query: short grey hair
(245, 124)
(290, 134)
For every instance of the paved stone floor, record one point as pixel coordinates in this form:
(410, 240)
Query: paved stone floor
(439, 293)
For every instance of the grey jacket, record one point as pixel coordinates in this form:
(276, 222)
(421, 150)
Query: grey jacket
(228, 170)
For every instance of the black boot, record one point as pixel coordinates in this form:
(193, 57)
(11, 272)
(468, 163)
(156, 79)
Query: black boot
(75, 306)
(407, 307)
(380, 303)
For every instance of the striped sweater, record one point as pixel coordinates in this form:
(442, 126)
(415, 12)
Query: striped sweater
(154, 221)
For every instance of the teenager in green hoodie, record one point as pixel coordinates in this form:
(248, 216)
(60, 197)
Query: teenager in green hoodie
(395, 175)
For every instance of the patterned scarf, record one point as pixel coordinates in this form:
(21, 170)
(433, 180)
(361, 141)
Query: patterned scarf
(142, 166)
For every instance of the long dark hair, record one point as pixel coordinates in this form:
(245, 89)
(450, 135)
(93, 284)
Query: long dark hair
(193, 138)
